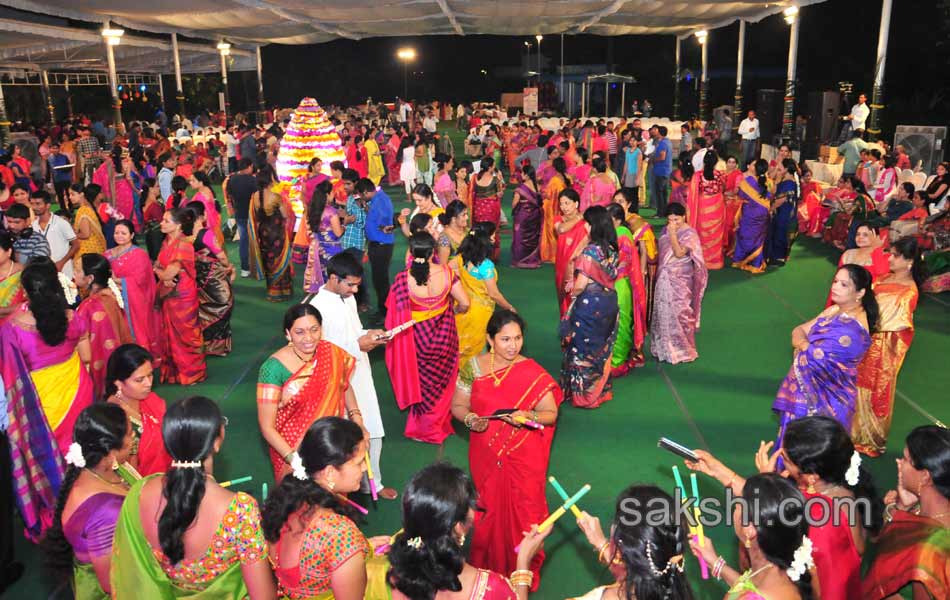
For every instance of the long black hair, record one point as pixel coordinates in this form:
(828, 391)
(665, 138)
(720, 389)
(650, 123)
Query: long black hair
(124, 361)
(529, 173)
(189, 430)
(437, 499)
(46, 299)
(821, 446)
(421, 248)
(318, 203)
(99, 429)
(330, 441)
(97, 265)
(929, 450)
(861, 279)
(652, 551)
(780, 524)
(602, 231)
(204, 180)
(761, 169)
(615, 211)
(710, 159)
(908, 248)
(477, 245)
(452, 210)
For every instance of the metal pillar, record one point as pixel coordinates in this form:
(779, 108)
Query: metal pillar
(4, 123)
(47, 96)
(584, 100)
(704, 83)
(161, 92)
(261, 106)
(877, 99)
(224, 82)
(676, 84)
(69, 100)
(562, 69)
(570, 102)
(606, 99)
(114, 88)
(623, 99)
(788, 112)
(737, 107)
(179, 91)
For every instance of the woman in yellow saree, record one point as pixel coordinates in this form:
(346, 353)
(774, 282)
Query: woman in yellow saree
(11, 292)
(86, 223)
(376, 169)
(552, 194)
(306, 380)
(477, 273)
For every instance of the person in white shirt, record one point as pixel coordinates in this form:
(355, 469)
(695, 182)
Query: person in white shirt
(405, 111)
(430, 123)
(749, 132)
(699, 155)
(342, 327)
(230, 142)
(59, 234)
(859, 114)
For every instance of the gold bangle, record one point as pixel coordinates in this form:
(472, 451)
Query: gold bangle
(354, 412)
(600, 552)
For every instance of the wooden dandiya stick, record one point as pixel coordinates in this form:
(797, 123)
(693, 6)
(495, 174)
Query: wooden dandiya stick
(235, 481)
(561, 510)
(353, 504)
(563, 494)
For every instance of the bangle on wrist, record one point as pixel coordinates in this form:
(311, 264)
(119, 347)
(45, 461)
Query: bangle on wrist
(469, 419)
(600, 552)
(521, 577)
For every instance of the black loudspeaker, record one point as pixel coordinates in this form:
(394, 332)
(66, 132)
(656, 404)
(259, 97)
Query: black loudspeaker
(823, 112)
(768, 109)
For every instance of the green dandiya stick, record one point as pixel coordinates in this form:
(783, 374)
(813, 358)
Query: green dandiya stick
(679, 481)
(264, 492)
(236, 481)
(563, 494)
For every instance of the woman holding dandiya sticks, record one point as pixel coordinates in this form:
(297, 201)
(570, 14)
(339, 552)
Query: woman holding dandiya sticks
(132, 268)
(680, 286)
(508, 460)
(589, 326)
(828, 350)
(571, 231)
(304, 381)
(897, 297)
(753, 224)
(270, 227)
(184, 359)
(423, 362)
(912, 549)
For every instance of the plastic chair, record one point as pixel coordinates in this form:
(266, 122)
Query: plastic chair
(921, 181)
(905, 175)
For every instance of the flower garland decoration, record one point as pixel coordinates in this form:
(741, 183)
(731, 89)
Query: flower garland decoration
(802, 560)
(296, 465)
(69, 288)
(309, 134)
(74, 457)
(853, 474)
(117, 292)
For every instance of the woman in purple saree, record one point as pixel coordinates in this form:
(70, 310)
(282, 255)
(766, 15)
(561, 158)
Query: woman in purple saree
(680, 285)
(823, 377)
(526, 210)
(749, 253)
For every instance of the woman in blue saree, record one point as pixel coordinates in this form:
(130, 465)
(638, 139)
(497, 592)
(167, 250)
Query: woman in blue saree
(590, 323)
(783, 227)
(749, 253)
(823, 377)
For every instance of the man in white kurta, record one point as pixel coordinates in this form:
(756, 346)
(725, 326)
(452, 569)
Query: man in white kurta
(342, 327)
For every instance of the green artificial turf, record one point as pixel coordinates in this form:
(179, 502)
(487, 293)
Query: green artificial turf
(721, 402)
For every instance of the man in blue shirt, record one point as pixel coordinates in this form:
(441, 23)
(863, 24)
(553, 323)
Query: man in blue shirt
(61, 175)
(354, 223)
(379, 234)
(662, 168)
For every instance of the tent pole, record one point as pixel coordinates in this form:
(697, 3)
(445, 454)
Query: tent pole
(261, 106)
(563, 95)
(4, 123)
(44, 81)
(676, 84)
(114, 88)
(69, 100)
(623, 99)
(788, 112)
(606, 99)
(224, 84)
(877, 99)
(583, 99)
(740, 60)
(704, 83)
(161, 91)
(179, 93)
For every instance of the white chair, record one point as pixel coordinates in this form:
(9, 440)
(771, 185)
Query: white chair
(921, 181)
(905, 175)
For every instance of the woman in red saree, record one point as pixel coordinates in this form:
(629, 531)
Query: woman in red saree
(306, 380)
(571, 232)
(133, 270)
(731, 178)
(706, 210)
(912, 549)
(184, 359)
(811, 214)
(423, 361)
(552, 194)
(508, 460)
(129, 378)
(102, 311)
(489, 187)
(391, 155)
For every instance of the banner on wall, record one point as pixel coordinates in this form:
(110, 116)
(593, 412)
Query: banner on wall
(530, 101)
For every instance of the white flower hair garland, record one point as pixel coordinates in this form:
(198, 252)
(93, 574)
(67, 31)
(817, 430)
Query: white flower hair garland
(69, 288)
(117, 292)
(854, 469)
(74, 457)
(296, 465)
(802, 561)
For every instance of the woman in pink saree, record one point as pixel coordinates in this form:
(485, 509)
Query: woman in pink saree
(706, 210)
(444, 184)
(204, 193)
(580, 173)
(811, 214)
(133, 269)
(600, 188)
(116, 178)
(680, 285)
(391, 155)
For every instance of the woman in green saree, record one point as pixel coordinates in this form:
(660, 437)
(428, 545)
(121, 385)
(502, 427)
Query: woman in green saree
(79, 543)
(11, 292)
(180, 534)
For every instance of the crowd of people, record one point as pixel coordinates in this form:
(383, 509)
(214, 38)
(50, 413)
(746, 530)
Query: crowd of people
(120, 490)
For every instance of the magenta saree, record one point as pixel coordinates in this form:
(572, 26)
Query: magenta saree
(133, 269)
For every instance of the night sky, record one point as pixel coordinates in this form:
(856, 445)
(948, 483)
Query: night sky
(838, 41)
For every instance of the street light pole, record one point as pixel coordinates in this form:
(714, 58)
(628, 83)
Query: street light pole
(406, 55)
(539, 38)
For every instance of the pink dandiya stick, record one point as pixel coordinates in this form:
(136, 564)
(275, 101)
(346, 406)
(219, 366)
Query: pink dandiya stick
(372, 480)
(353, 504)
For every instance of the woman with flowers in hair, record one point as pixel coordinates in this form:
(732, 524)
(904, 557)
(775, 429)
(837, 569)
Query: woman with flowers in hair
(820, 459)
(316, 549)
(104, 315)
(78, 546)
